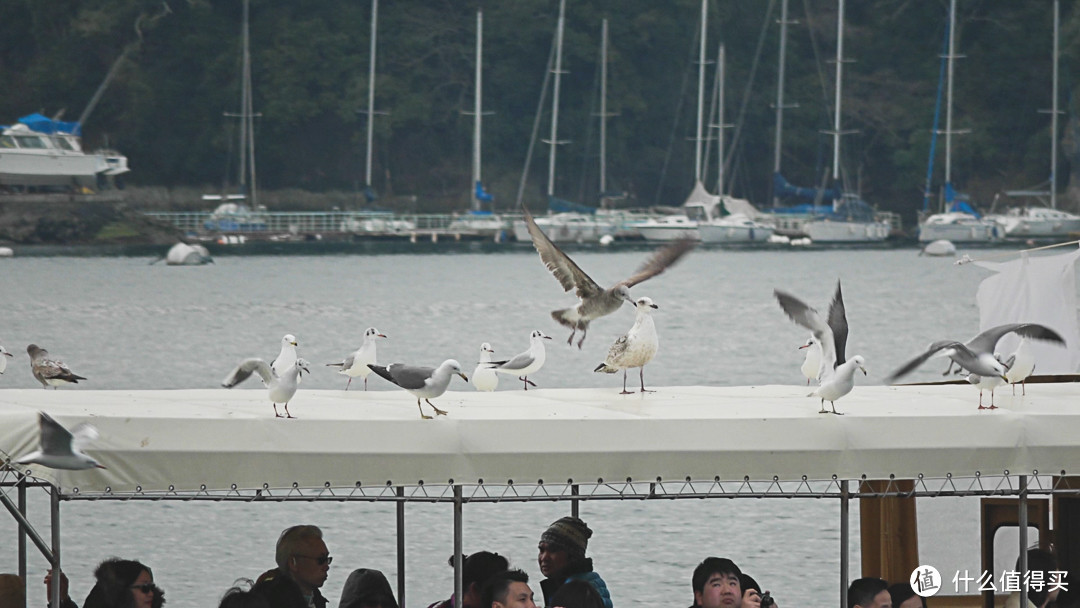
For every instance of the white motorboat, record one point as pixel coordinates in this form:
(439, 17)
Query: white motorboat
(42, 152)
(1038, 222)
(845, 231)
(568, 228)
(959, 227)
(736, 228)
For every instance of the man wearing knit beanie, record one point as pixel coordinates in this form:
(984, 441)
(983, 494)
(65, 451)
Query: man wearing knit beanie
(562, 558)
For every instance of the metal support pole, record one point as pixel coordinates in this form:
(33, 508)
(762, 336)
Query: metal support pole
(22, 533)
(401, 546)
(458, 561)
(58, 573)
(1023, 516)
(25, 525)
(845, 534)
(575, 504)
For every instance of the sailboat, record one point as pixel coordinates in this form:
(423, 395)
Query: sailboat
(958, 222)
(703, 216)
(567, 226)
(1043, 221)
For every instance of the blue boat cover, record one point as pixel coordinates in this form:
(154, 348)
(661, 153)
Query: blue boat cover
(42, 124)
(481, 194)
(558, 205)
(783, 188)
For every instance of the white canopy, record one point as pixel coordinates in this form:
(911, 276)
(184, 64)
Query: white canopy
(220, 440)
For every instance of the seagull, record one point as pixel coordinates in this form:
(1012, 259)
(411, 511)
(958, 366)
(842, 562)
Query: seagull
(635, 348)
(527, 362)
(836, 374)
(812, 363)
(1021, 364)
(286, 357)
(986, 383)
(595, 301)
(3, 361)
(484, 377)
(62, 449)
(356, 364)
(47, 371)
(977, 355)
(423, 382)
(280, 388)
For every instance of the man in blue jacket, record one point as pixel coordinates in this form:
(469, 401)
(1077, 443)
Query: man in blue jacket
(562, 559)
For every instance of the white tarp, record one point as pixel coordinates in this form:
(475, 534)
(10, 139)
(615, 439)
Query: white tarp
(217, 440)
(1034, 289)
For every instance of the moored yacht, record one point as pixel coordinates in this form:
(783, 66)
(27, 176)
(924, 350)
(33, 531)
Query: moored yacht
(42, 152)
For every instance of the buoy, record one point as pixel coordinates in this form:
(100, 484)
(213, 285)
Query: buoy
(6, 252)
(939, 248)
(606, 240)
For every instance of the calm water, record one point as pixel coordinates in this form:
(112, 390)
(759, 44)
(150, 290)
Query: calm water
(125, 324)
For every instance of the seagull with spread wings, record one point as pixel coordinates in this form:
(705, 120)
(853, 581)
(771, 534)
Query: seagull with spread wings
(596, 301)
(61, 448)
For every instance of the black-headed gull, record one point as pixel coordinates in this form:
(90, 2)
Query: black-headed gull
(4, 355)
(356, 364)
(60, 448)
(525, 363)
(483, 377)
(280, 387)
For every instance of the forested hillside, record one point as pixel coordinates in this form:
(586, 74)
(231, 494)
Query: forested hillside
(179, 73)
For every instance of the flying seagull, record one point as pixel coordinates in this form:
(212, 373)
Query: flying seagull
(483, 377)
(635, 348)
(3, 362)
(977, 355)
(595, 301)
(423, 382)
(525, 363)
(356, 364)
(836, 374)
(62, 449)
(49, 372)
(280, 388)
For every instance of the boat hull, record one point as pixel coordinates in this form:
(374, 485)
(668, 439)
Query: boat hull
(959, 231)
(577, 229)
(829, 231)
(719, 233)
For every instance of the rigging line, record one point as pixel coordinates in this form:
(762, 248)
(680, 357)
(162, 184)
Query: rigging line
(586, 155)
(536, 125)
(829, 107)
(966, 259)
(678, 114)
(745, 103)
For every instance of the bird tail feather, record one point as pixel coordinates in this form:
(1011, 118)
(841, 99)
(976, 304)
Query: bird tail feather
(604, 367)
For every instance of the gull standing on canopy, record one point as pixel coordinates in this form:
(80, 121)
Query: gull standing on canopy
(484, 377)
(49, 372)
(977, 355)
(423, 382)
(356, 364)
(986, 383)
(280, 388)
(1020, 364)
(3, 362)
(286, 358)
(60, 448)
(836, 374)
(526, 363)
(635, 348)
(595, 301)
(811, 365)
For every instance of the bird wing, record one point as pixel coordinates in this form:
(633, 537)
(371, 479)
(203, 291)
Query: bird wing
(618, 348)
(82, 435)
(348, 362)
(409, 377)
(934, 348)
(245, 369)
(838, 325)
(987, 340)
(569, 275)
(47, 368)
(520, 361)
(799, 312)
(55, 439)
(660, 261)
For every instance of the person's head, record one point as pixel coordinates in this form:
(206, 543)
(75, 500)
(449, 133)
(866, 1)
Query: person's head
(1043, 561)
(509, 589)
(577, 594)
(563, 543)
(903, 596)
(476, 569)
(716, 583)
(366, 588)
(302, 554)
(240, 596)
(12, 590)
(869, 592)
(123, 583)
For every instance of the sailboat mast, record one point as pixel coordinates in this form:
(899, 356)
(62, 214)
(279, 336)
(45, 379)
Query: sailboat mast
(371, 90)
(839, 96)
(1054, 111)
(249, 110)
(780, 92)
(948, 95)
(603, 106)
(477, 110)
(701, 91)
(720, 59)
(245, 92)
(555, 98)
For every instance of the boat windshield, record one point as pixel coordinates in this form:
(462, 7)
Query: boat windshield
(7, 141)
(64, 144)
(31, 141)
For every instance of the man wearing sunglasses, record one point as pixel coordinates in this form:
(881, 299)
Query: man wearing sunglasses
(303, 564)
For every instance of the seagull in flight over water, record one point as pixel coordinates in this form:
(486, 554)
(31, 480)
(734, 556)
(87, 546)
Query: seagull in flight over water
(60, 448)
(836, 374)
(595, 301)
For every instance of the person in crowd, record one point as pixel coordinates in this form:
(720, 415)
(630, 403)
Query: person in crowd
(716, 584)
(577, 594)
(476, 569)
(869, 592)
(1040, 565)
(903, 596)
(366, 588)
(562, 559)
(241, 595)
(121, 583)
(508, 589)
(303, 564)
(12, 590)
(752, 596)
